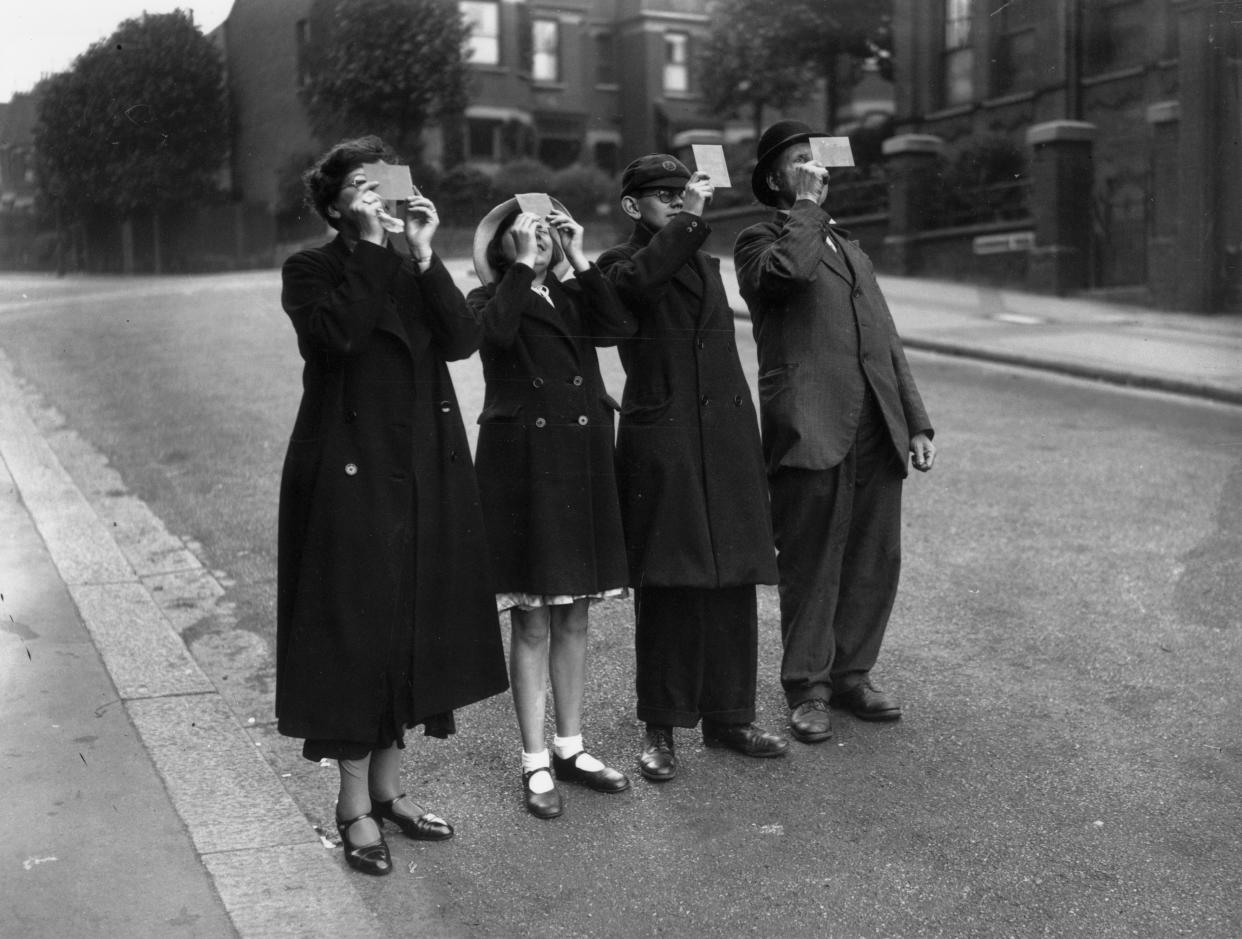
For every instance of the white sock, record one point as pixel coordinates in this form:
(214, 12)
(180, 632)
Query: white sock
(566, 747)
(540, 782)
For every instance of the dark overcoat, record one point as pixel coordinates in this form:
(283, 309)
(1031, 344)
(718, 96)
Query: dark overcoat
(824, 334)
(694, 495)
(545, 452)
(385, 613)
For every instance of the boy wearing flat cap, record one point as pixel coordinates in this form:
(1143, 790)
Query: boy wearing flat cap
(690, 470)
(841, 418)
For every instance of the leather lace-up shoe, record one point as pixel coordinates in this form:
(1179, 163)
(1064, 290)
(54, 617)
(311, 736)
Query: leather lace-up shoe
(426, 827)
(541, 804)
(658, 762)
(810, 721)
(605, 779)
(867, 702)
(745, 738)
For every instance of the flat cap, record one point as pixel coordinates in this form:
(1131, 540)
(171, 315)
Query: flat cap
(654, 171)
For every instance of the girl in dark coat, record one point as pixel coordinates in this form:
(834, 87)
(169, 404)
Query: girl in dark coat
(545, 460)
(384, 616)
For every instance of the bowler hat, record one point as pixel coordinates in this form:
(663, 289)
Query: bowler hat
(486, 231)
(775, 139)
(654, 171)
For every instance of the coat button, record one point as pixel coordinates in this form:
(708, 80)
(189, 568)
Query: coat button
(445, 407)
(536, 383)
(857, 293)
(701, 343)
(577, 381)
(737, 400)
(351, 469)
(705, 400)
(583, 420)
(351, 416)
(540, 422)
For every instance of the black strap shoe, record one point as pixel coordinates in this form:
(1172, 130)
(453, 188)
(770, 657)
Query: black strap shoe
(426, 827)
(541, 804)
(605, 779)
(658, 761)
(370, 858)
(746, 739)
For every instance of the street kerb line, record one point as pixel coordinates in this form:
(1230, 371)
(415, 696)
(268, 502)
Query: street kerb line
(266, 861)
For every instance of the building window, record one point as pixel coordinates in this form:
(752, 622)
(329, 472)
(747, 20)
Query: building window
(676, 62)
(1014, 61)
(605, 60)
(607, 156)
(1115, 35)
(959, 55)
(483, 18)
(303, 35)
(481, 139)
(546, 55)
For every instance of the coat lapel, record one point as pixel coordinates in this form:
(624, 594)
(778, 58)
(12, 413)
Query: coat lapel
(563, 319)
(390, 320)
(836, 260)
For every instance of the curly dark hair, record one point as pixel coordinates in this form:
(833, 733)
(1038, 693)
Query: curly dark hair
(325, 180)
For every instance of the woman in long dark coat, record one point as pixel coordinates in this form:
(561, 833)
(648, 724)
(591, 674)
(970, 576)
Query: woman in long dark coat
(545, 462)
(385, 617)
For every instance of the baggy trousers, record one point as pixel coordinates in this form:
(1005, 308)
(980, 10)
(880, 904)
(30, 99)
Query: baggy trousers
(697, 651)
(838, 542)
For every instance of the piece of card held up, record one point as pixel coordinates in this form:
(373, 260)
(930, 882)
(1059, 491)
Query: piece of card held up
(536, 203)
(709, 158)
(395, 182)
(832, 151)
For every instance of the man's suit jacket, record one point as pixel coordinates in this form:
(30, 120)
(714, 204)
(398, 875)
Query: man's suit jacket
(824, 334)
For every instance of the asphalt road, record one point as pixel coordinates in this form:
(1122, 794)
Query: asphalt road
(1066, 643)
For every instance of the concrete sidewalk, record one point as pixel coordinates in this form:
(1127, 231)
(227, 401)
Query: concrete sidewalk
(119, 752)
(136, 803)
(1182, 353)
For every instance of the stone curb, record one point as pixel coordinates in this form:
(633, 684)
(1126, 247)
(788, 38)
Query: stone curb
(267, 863)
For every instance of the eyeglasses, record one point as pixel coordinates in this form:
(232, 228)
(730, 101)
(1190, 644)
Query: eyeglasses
(664, 195)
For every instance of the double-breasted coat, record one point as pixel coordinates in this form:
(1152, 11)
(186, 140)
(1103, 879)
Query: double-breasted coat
(824, 334)
(693, 490)
(385, 613)
(545, 451)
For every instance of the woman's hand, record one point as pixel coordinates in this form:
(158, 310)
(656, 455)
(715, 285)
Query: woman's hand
(421, 222)
(570, 234)
(525, 231)
(365, 210)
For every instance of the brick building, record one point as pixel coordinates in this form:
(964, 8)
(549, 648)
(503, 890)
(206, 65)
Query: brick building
(1131, 113)
(17, 180)
(571, 81)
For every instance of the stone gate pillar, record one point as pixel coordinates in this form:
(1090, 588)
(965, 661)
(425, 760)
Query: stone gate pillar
(912, 161)
(1062, 177)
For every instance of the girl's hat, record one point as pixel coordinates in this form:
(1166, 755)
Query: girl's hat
(486, 231)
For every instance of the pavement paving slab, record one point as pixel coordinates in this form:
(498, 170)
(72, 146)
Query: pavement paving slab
(93, 845)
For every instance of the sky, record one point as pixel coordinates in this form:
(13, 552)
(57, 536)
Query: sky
(44, 36)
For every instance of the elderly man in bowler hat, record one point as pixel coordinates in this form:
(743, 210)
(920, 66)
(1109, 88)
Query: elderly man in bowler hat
(690, 471)
(840, 415)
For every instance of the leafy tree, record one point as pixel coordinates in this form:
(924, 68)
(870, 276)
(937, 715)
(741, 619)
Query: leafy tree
(765, 53)
(744, 64)
(138, 124)
(385, 67)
